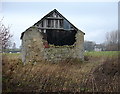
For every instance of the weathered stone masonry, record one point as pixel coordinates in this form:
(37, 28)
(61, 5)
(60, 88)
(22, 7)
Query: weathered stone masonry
(38, 45)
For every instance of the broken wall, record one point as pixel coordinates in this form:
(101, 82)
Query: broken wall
(57, 53)
(34, 50)
(32, 45)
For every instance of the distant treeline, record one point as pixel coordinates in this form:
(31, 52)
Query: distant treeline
(11, 50)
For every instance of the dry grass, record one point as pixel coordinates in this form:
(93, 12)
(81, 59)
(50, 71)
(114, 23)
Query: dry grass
(105, 77)
(65, 76)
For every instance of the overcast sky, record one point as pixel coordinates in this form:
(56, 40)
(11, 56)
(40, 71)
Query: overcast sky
(93, 18)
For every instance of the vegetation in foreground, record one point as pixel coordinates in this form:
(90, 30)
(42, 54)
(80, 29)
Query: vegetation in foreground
(98, 73)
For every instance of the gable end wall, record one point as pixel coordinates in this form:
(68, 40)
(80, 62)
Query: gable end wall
(33, 48)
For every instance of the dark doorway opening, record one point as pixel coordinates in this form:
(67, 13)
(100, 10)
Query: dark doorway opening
(61, 37)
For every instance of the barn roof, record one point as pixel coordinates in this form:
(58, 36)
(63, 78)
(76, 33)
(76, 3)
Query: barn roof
(50, 14)
(59, 15)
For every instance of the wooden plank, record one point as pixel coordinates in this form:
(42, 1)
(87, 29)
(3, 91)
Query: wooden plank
(55, 18)
(50, 28)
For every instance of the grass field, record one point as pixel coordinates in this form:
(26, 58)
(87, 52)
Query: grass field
(98, 73)
(102, 54)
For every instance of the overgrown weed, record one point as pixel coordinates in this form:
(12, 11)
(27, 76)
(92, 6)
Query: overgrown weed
(71, 75)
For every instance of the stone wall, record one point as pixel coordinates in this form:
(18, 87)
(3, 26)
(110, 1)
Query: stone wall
(32, 45)
(34, 50)
(64, 52)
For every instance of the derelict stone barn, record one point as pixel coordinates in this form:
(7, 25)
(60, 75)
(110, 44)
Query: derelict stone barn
(52, 38)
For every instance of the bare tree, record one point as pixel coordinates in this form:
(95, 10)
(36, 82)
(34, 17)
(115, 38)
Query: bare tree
(89, 45)
(5, 36)
(14, 46)
(112, 41)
